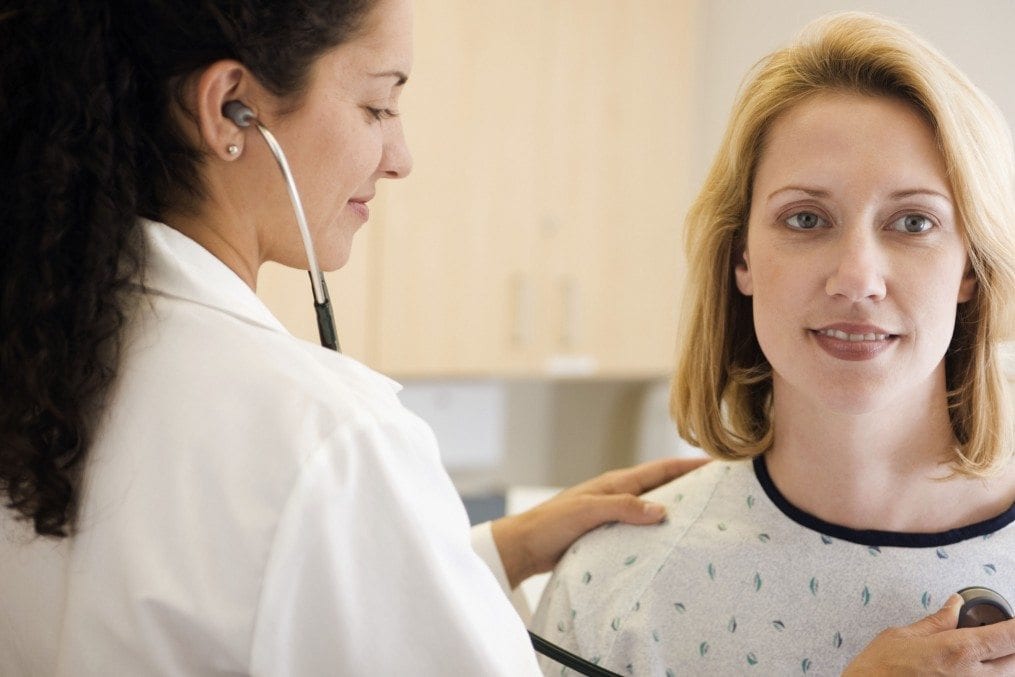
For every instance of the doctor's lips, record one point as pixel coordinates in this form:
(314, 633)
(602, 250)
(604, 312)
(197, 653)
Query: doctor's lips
(359, 205)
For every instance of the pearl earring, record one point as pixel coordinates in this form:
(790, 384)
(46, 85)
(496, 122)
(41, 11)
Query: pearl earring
(233, 150)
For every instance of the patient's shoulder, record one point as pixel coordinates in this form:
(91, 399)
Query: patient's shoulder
(686, 499)
(627, 556)
(605, 573)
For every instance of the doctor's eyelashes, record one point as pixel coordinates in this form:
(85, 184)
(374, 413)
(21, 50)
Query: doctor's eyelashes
(382, 113)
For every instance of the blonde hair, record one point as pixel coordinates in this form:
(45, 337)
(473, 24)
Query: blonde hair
(722, 388)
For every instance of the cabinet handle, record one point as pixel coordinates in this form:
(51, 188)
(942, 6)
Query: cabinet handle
(571, 317)
(523, 310)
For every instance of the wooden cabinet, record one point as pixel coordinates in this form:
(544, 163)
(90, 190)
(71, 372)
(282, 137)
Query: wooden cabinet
(539, 232)
(617, 184)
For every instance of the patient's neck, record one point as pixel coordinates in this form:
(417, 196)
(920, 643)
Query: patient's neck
(886, 468)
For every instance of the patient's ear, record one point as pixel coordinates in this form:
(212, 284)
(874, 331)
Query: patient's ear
(743, 272)
(967, 288)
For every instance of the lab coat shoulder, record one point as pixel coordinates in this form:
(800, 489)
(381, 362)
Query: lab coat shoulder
(391, 555)
(369, 568)
(264, 505)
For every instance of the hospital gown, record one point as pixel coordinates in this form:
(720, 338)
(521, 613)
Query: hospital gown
(739, 581)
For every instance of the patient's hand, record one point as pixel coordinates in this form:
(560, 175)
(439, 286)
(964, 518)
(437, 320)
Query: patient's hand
(531, 542)
(932, 646)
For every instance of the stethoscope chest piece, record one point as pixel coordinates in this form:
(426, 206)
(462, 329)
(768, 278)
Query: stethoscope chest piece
(982, 606)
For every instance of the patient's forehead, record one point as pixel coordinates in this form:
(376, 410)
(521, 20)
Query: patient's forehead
(842, 141)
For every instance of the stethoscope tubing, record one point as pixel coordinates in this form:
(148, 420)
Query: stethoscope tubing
(568, 659)
(301, 219)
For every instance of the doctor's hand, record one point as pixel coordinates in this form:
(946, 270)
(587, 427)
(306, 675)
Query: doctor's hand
(933, 646)
(531, 542)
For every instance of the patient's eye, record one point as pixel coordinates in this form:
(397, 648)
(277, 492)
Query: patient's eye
(805, 221)
(912, 223)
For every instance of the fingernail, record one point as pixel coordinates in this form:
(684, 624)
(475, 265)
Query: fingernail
(654, 510)
(953, 599)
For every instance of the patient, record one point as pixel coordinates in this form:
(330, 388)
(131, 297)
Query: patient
(851, 265)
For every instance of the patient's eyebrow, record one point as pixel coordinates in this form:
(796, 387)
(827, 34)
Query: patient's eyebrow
(897, 195)
(813, 192)
(903, 194)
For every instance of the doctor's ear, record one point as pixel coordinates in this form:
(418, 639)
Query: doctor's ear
(220, 83)
(742, 271)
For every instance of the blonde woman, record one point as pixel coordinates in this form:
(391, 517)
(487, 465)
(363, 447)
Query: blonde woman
(851, 269)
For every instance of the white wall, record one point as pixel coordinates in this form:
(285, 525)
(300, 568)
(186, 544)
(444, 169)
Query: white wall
(976, 35)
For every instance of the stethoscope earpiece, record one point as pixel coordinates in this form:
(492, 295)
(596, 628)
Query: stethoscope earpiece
(238, 112)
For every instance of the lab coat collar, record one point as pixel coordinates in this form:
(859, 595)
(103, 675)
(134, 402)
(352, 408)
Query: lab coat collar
(177, 266)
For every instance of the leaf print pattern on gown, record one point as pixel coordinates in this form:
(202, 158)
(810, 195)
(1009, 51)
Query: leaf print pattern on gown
(771, 592)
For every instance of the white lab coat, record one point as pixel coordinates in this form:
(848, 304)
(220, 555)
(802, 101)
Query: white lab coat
(252, 504)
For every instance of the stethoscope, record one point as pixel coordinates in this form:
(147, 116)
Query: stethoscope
(980, 606)
(242, 116)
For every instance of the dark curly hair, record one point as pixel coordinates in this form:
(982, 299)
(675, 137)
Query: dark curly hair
(88, 143)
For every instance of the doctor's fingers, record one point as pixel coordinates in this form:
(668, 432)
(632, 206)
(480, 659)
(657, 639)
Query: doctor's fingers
(933, 646)
(993, 646)
(637, 479)
(554, 525)
(1001, 666)
(531, 542)
(988, 648)
(595, 510)
(964, 658)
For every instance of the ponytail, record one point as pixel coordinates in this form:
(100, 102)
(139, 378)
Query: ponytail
(68, 206)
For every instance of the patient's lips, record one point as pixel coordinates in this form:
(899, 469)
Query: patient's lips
(853, 341)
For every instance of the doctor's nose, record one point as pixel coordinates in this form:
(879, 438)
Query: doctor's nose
(858, 269)
(396, 160)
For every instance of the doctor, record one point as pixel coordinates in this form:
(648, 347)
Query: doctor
(189, 489)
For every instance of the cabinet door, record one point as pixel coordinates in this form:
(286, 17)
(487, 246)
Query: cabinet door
(540, 231)
(619, 185)
(457, 240)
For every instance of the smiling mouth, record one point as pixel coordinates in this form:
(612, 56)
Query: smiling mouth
(852, 338)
